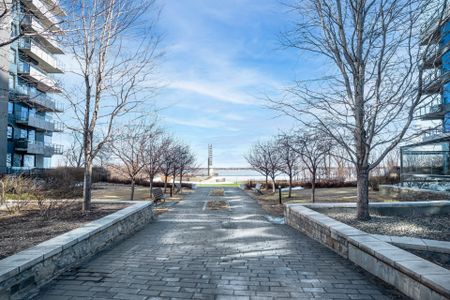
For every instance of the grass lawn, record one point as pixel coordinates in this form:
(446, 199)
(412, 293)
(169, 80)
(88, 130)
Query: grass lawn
(270, 202)
(345, 194)
(218, 184)
(119, 192)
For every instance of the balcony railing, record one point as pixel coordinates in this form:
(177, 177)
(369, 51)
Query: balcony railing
(53, 149)
(35, 121)
(32, 25)
(43, 81)
(434, 81)
(430, 31)
(47, 61)
(32, 147)
(45, 11)
(433, 58)
(36, 98)
(434, 134)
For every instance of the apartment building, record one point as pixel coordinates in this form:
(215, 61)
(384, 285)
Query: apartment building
(429, 160)
(28, 85)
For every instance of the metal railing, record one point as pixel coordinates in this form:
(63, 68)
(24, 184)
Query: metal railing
(35, 121)
(434, 23)
(434, 106)
(39, 50)
(32, 147)
(37, 97)
(53, 149)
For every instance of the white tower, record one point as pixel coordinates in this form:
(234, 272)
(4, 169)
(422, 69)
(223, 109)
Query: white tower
(210, 161)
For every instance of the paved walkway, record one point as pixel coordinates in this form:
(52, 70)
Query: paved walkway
(191, 252)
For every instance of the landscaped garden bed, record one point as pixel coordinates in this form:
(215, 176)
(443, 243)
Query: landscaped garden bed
(426, 227)
(31, 226)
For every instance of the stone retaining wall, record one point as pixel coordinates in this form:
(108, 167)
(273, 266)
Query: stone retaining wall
(22, 274)
(408, 209)
(412, 275)
(396, 190)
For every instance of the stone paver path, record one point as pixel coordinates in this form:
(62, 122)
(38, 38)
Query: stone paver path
(191, 252)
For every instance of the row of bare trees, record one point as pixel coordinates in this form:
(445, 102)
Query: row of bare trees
(290, 154)
(141, 150)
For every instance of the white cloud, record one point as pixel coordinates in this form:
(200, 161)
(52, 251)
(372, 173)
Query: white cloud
(220, 93)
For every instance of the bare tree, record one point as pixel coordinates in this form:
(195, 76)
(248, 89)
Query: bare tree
(168, 160)
(153, 156)
(289, 158)
(114, 50)
(74, 154)
(312, 149)
(367, 100)
(186, 162)
(258, 160)
(129, 147)
(266, 159)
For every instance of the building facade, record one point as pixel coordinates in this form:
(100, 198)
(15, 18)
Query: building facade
(429, 160)
(28, 85)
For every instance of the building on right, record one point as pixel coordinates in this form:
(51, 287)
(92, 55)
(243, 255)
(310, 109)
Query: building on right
(428, 161)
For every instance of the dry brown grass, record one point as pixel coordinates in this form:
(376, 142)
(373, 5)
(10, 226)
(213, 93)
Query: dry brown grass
(217, 192)
(217, 205)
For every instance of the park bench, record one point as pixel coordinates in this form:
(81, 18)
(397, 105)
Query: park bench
(158, 195)
(257, 188)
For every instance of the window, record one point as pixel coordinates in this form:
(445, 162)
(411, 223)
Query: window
(10, 108)
(14, 30)
(22, 134)
(10, 132)
(9, 160)
(17, 160)
(12, 81)
(28, 161)
(31, 136)
(12, 56)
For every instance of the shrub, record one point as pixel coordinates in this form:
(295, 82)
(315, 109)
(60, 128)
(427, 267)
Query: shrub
(324, 183)
(20, 190)
(376, 181)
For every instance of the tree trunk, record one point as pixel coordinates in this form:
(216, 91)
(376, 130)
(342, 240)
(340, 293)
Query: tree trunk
(133, 183)
(273, 185)
(362, 179)
(290, 186)
(165, 183)
(87, 186)
(181, 182)
(173, 185)
(313, 186)
(267, 181)
(150, 178)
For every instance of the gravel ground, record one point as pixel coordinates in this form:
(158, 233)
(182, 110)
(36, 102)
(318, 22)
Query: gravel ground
(433, 228)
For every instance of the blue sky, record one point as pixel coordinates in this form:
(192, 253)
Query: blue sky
(222, 58)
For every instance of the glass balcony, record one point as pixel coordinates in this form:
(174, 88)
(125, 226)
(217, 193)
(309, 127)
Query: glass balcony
(32, 147)
(43, 81)
(38, 122)
(47, 61)
(434, 110)
(36, 98)
(46, 38)
(47, 12)
(53, 149)
(430, 32)
(433, 82)
(433, 57)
